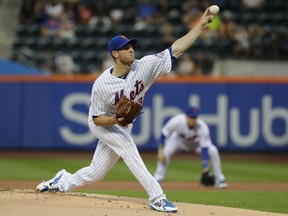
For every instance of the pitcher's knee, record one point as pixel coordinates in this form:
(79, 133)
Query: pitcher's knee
(213, 151)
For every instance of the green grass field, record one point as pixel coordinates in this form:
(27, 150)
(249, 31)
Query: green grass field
(179, 170)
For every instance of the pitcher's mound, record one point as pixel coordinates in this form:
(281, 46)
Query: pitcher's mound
(30, 203)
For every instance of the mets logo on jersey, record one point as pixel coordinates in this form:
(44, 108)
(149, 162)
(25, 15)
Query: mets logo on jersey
(160, 54)
(184, 136)
(138, 88)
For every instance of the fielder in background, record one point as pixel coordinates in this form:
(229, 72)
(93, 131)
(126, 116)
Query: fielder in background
(187, 132)
(132, 78)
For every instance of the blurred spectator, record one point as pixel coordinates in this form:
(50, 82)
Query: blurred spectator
(39, 12)
(146, 9)
(146, 14)
(117, 15)
(191, 13)
(185, 65)
(242, 46)
(27, 11)
(107, 62)
(204, 62)
(32, 12)
(100, 21)
(230, 29)
(100, 18)
(234, 33)
(45, 62)
(167, 36)
(191, 7)
(165, 11)
(284, 44)
(54, 8)
(191, 19)
(70, 9)
(50, 27)
(199, 71)
(256, 39)
(93, 69)
(215, 24)
(252, 5)
(84, 13)
(209, 37)
(64, 64)
(66, 27)
(273, 47)
(226, 38)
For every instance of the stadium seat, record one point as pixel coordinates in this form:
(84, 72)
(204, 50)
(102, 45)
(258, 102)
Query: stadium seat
(30, 42)
(33, 30)
(18, 42)
(79, 30)
(21, 30)
(73, 44)
(90, 43)
(59, 43)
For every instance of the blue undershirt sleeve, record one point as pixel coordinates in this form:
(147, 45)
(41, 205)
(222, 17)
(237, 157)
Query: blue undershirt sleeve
(161, 139)
(205, 158)
(172, 57)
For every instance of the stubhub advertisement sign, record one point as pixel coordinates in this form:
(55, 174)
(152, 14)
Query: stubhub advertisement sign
(53, 115)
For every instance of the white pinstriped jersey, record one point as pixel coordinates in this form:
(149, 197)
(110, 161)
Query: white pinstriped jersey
(107, 88)
(192, 137)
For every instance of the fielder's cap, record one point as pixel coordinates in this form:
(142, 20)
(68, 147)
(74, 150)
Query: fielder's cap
(192, 111)
(120, 41)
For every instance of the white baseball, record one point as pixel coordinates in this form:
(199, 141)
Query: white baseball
(214, 9)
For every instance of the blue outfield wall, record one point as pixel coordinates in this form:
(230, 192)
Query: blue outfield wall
(53, 115)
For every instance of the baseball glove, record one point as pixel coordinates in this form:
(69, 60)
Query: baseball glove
(207, 178)
(127, 111)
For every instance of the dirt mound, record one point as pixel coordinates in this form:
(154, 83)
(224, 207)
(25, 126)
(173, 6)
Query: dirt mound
(134, 185)
(29, 203)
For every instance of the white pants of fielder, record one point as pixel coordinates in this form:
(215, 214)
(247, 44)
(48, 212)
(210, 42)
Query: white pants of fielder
(115, 142)
(174, 145)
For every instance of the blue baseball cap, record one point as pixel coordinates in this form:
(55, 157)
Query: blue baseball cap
(192, 111)
(120, 41)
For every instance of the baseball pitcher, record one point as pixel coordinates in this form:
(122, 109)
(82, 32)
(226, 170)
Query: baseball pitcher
(116, 99)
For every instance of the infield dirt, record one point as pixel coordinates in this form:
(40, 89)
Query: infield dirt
(29, 203)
